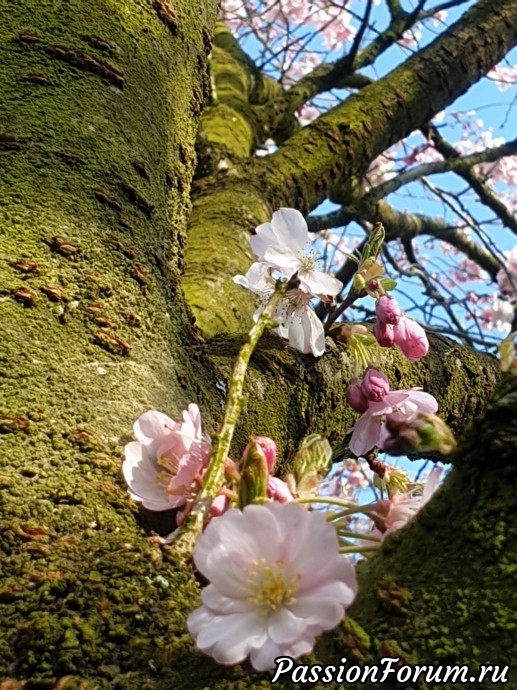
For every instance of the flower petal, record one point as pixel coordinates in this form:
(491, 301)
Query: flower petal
(306, 332)
(290, 229)
(366, 433)
(141, 476)
(152, 424)
(230, 638)
(282, 258)
(319, 283)
(222, 605)
(284, 626)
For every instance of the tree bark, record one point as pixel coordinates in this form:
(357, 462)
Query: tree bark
(96, 159)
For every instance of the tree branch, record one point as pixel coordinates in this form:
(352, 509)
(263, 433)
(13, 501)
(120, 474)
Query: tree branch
(485, 194)
(459, 164)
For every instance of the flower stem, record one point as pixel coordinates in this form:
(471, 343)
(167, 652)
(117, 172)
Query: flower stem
(358, 535)
(214, 477)
(358, 549)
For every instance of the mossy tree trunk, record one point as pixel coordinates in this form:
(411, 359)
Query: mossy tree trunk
(97, 153)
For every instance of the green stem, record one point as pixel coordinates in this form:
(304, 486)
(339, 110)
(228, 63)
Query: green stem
(357, 549)
(214, 477)
(327, 500)
(358, 535)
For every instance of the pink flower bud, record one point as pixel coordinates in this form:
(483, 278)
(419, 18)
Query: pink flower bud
(411, 338)
(388, 311)
(356, 398)
(269, 447)
(375, 385)
(220, 505)
(384, 334)
(278, 490)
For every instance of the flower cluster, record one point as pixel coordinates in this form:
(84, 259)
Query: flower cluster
(277, 581)
(166, 466)
(371, 396)
(393, 328)
(280, 249)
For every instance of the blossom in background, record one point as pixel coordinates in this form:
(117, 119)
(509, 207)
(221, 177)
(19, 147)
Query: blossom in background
(277, 581)
(370, 430)
(498, 315)
(393, 328)
(401, 507)
(503, 276)
(163, 468)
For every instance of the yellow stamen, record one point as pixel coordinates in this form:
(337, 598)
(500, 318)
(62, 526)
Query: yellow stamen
(269, 586)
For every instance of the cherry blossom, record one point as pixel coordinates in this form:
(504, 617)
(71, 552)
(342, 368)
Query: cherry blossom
(411, 338)
(277, 581)
(280, 245)
(401, 507)
(387, 309)
(163, 467)
(498, 315)
(392, 327)
(510, 271)
(504, 76)
(370, 430)
(297, 320)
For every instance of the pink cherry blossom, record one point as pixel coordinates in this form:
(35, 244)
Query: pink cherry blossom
(507, 277)
(163, 467)
(384, 334)
(370, 430)
(277, 581)
(356, 397)
(387, 309)
(411, 338)
(277, 490)
(375, 385)
(401, 507)
(269, 448)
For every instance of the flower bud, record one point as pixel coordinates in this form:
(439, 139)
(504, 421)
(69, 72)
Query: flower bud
(254, 475)
(423, 433)
(411, 338)
(358, 282)
(356, 398)
(388, 311)
(268, 447)
(375, 385)
(435, 434)
(277, 490)
(310, 464)
(405, 441)
(384, 334)
(220, 505)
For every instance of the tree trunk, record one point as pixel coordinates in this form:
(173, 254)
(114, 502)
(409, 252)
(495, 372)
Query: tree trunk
(96, 161)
